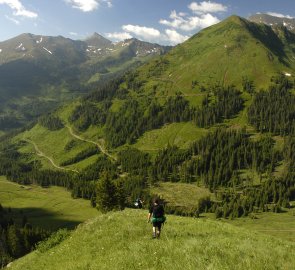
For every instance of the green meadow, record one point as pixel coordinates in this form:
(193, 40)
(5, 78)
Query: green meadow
(50, 208)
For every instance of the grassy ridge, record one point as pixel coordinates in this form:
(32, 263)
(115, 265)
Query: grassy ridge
(122, 240)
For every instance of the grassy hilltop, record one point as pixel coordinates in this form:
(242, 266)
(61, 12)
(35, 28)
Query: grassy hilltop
(122, 240)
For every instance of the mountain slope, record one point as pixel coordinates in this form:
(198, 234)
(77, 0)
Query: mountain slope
(38, 72)
(224, 54)
(274, 21)
(122, 240)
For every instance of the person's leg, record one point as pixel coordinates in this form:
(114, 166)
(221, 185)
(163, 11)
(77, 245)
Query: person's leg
(154, 230)
(159, 230)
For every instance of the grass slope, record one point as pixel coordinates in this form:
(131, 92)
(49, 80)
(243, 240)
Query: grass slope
(51, 208)
(181, 195)
(223, 54)
(180, 134)
(53, 144)
(122, 240)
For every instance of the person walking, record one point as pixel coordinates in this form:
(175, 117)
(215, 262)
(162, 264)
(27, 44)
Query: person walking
(157, 217)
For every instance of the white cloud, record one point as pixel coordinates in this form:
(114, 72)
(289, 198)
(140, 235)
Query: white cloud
(174, 37)
(146, 33)
(19, 9)
(118, 36)
(84, 5)
(279, 15)
(88, 5)
(206, 7)
(189, 23)
(12, 19)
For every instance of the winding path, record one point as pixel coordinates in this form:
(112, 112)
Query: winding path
(101, 148)
(41, 154)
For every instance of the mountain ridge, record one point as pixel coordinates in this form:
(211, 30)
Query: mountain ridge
(36, 69)
(274, 21)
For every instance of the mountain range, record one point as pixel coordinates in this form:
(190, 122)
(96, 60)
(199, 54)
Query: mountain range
(37, 73)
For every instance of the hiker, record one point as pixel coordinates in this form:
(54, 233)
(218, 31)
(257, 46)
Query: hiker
(157, 217)
(138, 203)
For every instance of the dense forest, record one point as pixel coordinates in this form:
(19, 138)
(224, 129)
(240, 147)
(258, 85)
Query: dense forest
(274, 110)
(51, 122)
(239, 167)
(17, 239)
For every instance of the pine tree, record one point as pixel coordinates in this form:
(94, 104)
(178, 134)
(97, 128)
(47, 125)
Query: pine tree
(106, 194)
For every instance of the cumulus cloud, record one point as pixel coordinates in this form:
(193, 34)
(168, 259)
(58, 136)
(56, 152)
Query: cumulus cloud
(146, 33)
(174, 37)
(179, 25)
(207, 7)
(88, 5)
(279, 15)
(118, 36)
(19, 9)
(189, 23)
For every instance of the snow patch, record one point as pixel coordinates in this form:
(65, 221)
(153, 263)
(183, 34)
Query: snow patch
(285, 24)
(47, 50)
(19, 46)
(124, 44)
(40, 40)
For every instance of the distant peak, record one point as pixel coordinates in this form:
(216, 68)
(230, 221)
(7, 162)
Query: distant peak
(95, 35)
(97, 40)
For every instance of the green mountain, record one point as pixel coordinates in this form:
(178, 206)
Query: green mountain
(37, 73)
(225, 53)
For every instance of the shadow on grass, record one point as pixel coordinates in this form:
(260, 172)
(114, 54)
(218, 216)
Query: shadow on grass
(42, 218)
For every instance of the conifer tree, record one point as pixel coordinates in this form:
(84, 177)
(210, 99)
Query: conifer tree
(106, 195)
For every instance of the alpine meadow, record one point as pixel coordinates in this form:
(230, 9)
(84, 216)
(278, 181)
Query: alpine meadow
(98, 132)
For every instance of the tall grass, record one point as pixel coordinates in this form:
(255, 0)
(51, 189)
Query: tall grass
(122, 240)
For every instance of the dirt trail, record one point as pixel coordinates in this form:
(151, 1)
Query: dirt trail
(101, 148)
(41, 154)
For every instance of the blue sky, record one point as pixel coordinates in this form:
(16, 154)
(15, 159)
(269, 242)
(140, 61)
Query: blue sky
(161, 21)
